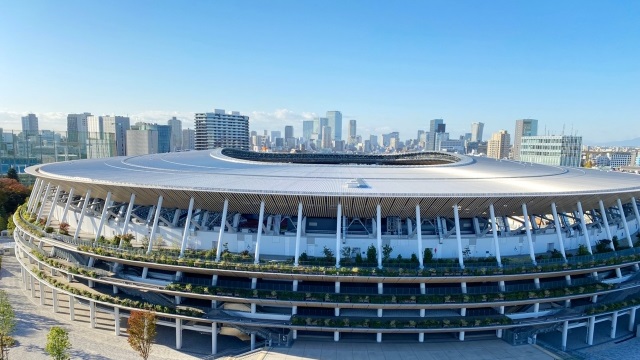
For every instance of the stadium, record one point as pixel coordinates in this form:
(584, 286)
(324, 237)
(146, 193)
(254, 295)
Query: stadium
(274, 247)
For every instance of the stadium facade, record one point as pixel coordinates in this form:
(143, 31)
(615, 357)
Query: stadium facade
(278, 246)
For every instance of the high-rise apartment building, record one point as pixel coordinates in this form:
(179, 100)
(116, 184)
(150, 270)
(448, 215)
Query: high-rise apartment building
(435, 126)
(335, 123)
(352, 132)
(30, 125)
(221, 129)
(176, 133)
(308, 127)
(476, 131)
(498, 146)
(188, 139)
(77, 128)
(556, 150)
(524, 127)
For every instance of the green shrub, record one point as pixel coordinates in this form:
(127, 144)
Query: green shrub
(372, 254)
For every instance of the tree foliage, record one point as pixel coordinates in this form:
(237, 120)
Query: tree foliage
(7, 324)
(12, 194)
(13, 174)
(58, 343)
(142, 332)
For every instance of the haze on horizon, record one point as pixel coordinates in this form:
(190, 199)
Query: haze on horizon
(392, 67)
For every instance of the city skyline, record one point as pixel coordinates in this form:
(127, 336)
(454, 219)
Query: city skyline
(395, 71)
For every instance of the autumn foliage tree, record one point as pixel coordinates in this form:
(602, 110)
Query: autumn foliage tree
(12, 194)
(142, 332)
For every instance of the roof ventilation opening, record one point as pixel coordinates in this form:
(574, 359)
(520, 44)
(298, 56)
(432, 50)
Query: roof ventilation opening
(357, 183)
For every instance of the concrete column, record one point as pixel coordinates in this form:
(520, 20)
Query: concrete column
(154, 227)
(527, 228)
(187, 223)
(556, 222)
(253, 341)
(456, 219)
(127, 217)
(103, 217)
(536, 282)
(338, 235)
(494, 230)
(499, 331)
(379, 234)
(92, 314)
(66, 206)
(614, 324)
(44, 200)
(43, 295)
(33, 288)
(298, 234)
(632, 319)
(378, 337)
(259, 236)
(583, 225)
(624, 223)
(72, 313)
(223, 224)
(336, 336)
(565, 333)
(635, 211)
(116, 320)
(39, 202)
(32, 196)
(178, 334)
(84, 209)
(214, 338)
(54, 295)
(54, 202)
(591, 328)
(605, 221)
(420, 246)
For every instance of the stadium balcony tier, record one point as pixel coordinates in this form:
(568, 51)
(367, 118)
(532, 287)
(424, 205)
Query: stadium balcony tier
(273, 247)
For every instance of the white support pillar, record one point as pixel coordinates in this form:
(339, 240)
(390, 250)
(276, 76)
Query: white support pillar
(625, 224)
(632, 319)
(127, 216)
(258, 238)
(32, 286)
(590, 330)
(32, 196)
(585, 231)
(72, 312)
(103, 217)
(494, 231)
(634, 205)
(84, 209)
(253, 341)
(37, 201)
(456, 219)
(185, 232)
(116, 320)
(527, 228)
(214, 338)
(43, 295)
(54, 296)
(54, 202)
(379, 234)
(178, 334)
(605, 221)
(379, 337)
(338, 234)
(44, 200)
(499, 331)
(154, 227)
(420, 246)
(614, 324)
(298, 235)
(223, 224)
(556, 222)
(565, 333)
(92, 314)
(66, 206)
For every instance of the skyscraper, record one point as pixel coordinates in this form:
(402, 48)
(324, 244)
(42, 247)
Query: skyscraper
(435, 126)
(326, 137)
(335, 123)
(307, 129)
(524, 127)
(117, 126)
(556, 150)
(30, 125)
(219, 129)
(352, 132)
(476, 131)
(288, 132)
(176, 133)
(188, 139)
(318, 124)
(498, 146)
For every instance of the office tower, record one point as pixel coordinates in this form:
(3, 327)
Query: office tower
(524, 127)
(326, 137)
(373, 140)
(318, 124)
(30, 125)
(160, 144)
(498, 146)
(106, 136)
(352, 132)
(141, 141)
(275, 134)
(556, 150)
(435, 126)
(188, 139)
(335, 123)
(220, 129)
(476, 131)
(116, 127)
(77, 128)
(176, 133)
(288, 132)
(421, 135)
(307, 129)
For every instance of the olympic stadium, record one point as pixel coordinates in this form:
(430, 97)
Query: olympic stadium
(274, 247)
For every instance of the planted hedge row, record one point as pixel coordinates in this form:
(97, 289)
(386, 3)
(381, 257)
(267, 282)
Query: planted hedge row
(598, 309)
(388, 298)
(115, 299)
(426, 323)
(57, 264)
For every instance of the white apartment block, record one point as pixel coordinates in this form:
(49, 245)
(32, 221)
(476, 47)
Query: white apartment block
(221, 129)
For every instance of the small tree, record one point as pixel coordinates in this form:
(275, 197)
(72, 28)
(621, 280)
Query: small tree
(328, 255)
(7, 325)
(427, 256)
(372, 255)
(58, 343)
(13, 174)
(386, 252)
(142, 332)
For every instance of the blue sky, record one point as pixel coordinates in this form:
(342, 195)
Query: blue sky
(393, 66)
